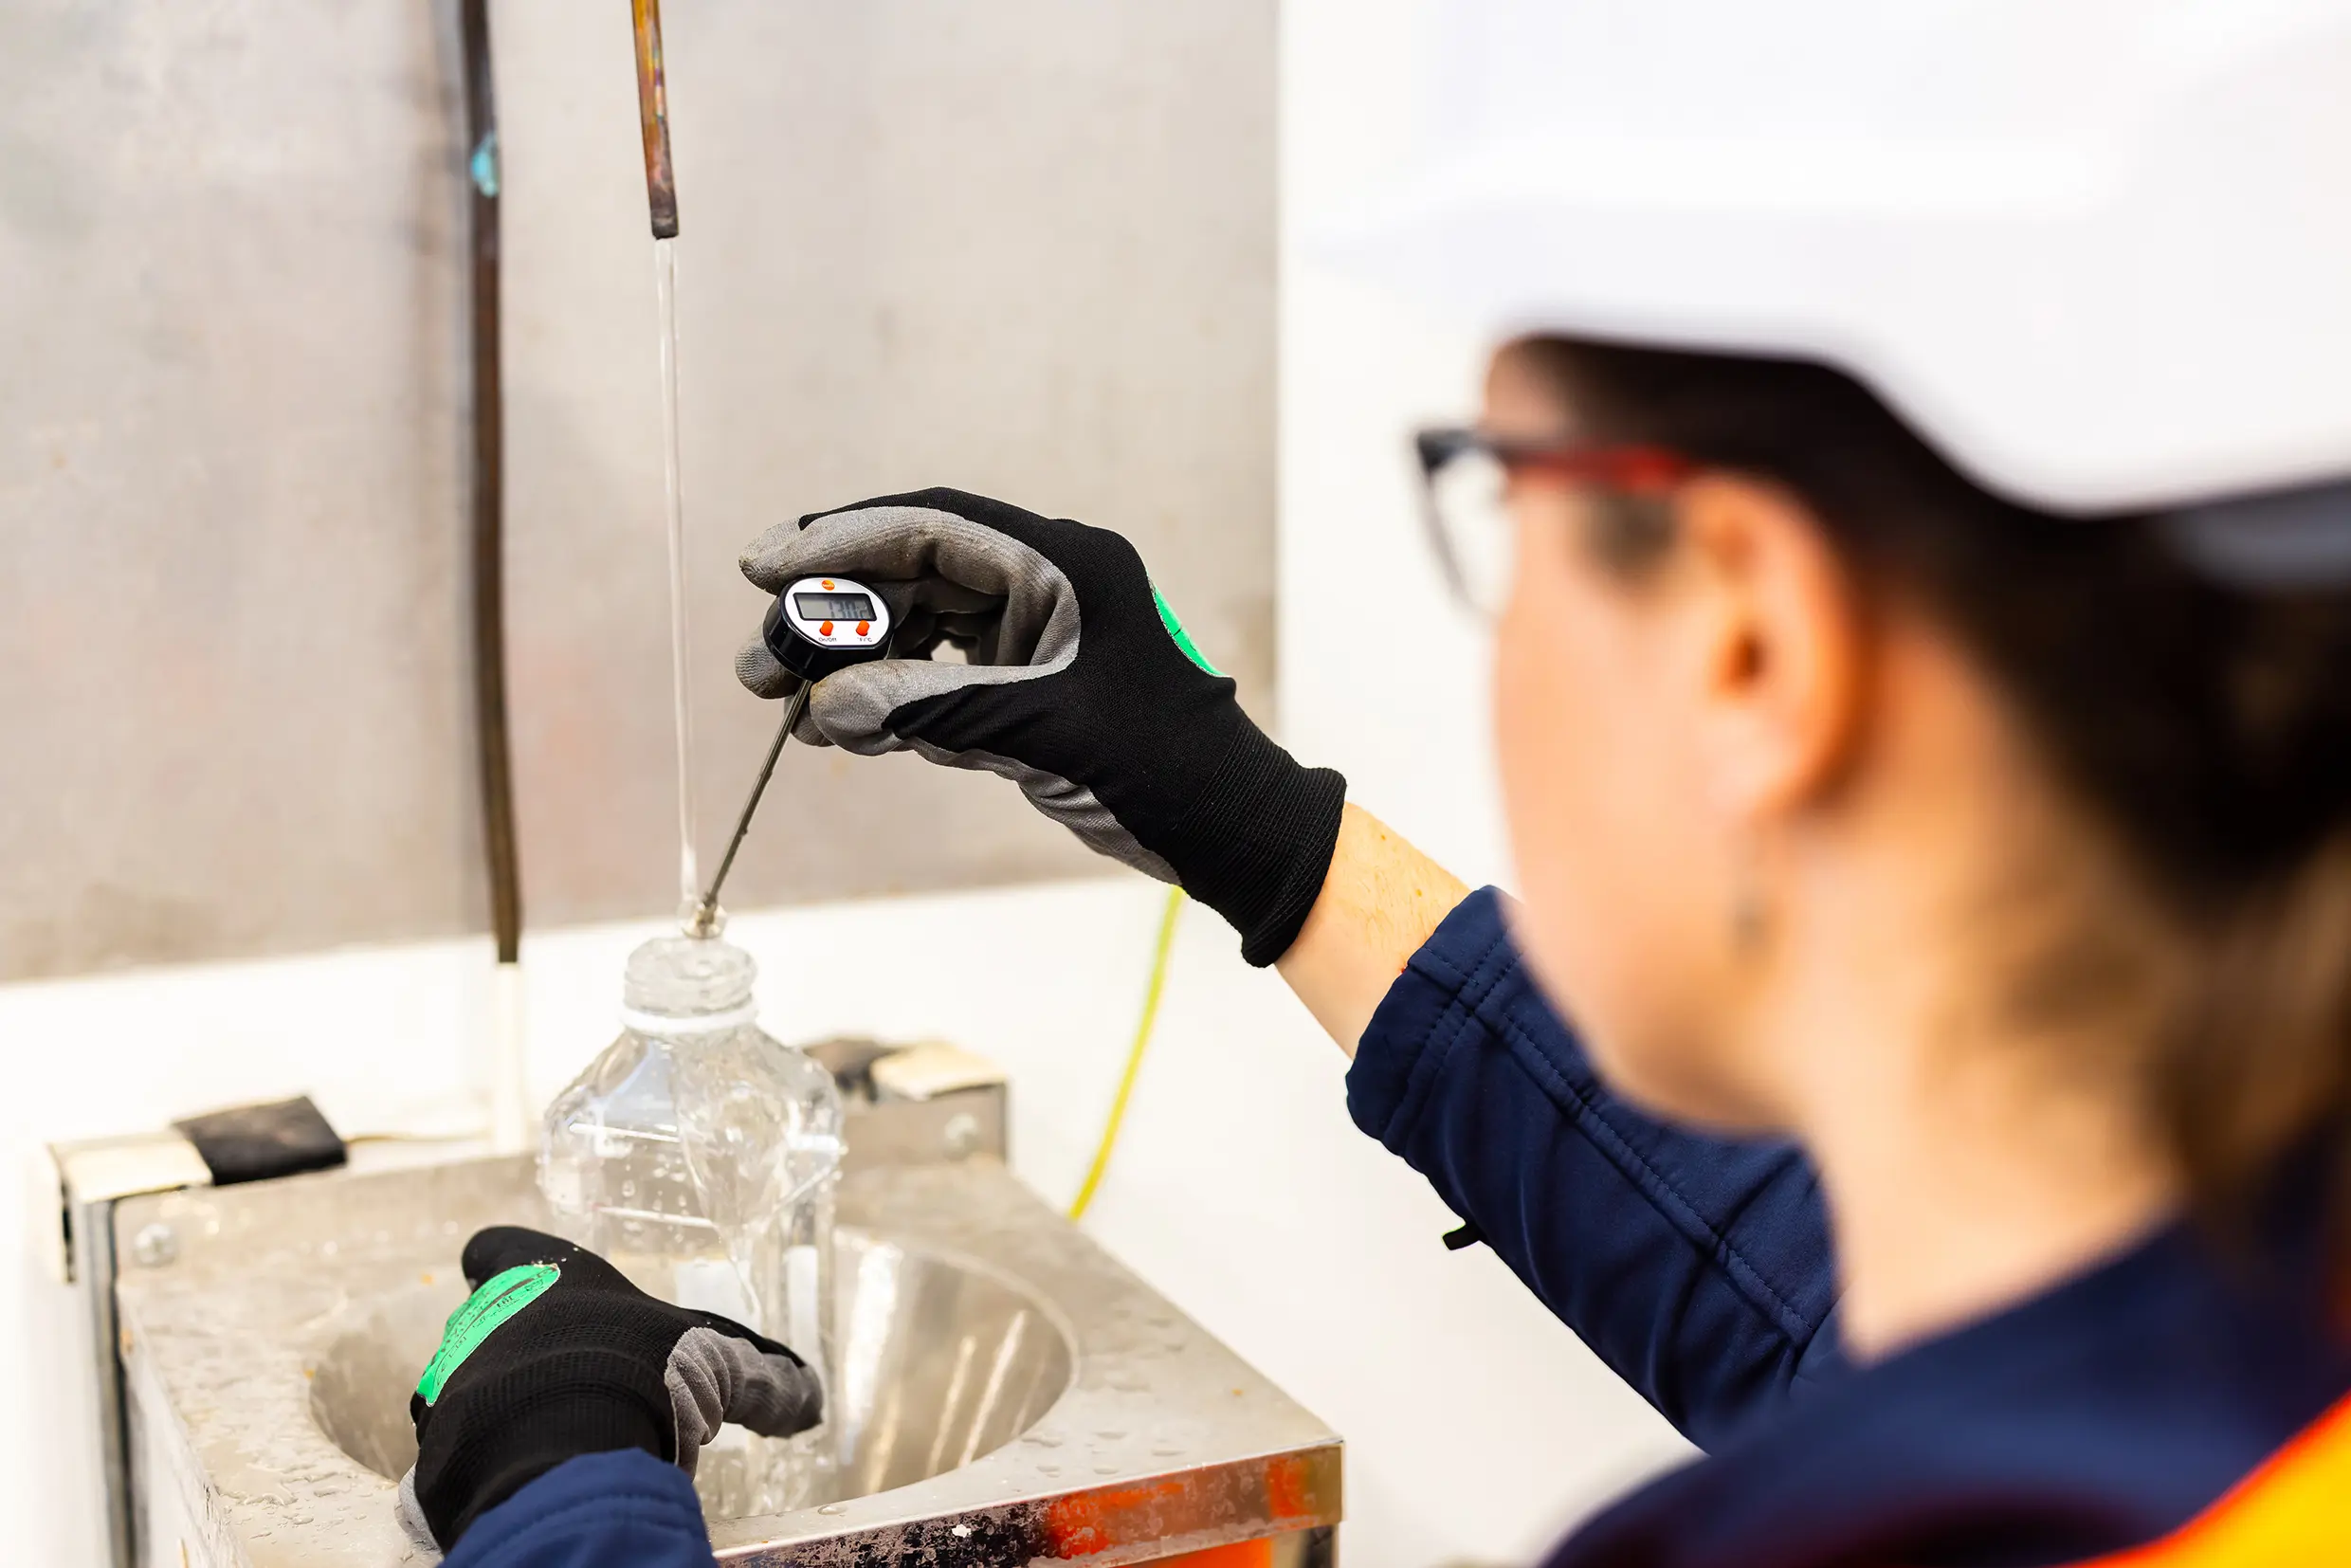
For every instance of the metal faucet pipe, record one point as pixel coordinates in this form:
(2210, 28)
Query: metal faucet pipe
(661, 180)
(489, 650)
(509, 1101)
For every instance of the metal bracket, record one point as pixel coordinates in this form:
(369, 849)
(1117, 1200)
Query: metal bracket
(926, 1104)
(92, 1177)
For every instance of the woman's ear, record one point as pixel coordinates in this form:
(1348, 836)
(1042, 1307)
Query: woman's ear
(1777, 645)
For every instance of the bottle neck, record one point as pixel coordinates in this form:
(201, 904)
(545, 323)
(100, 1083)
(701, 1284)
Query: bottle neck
(671, 1026)
(679, 987)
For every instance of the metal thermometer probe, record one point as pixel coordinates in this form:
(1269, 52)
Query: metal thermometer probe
(815, 627)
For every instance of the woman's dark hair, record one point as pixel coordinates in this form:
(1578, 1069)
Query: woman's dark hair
(2207, 727)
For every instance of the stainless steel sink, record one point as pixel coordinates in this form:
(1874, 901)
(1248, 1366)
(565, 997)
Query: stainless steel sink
(1012, 1394)
(945, 1360)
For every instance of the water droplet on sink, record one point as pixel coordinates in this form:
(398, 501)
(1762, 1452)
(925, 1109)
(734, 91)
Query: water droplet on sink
(1048, 1470)
(833, 1508)
(1166, 1450)
(1042, 1440)
(1110, 1434)
(1105, 1470)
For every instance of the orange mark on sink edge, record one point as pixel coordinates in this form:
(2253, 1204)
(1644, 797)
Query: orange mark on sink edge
(1092, 1521)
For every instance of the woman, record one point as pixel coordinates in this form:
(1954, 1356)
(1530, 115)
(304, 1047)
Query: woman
(1927, 743)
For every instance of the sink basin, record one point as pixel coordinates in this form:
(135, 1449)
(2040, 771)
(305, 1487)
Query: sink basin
(945, 1360)
(1011, 1394)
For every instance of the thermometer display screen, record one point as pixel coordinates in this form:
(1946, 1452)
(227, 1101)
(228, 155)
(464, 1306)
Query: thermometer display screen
(833, 607)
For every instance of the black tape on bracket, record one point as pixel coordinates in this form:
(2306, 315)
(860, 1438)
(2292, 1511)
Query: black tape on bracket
(256, 1142)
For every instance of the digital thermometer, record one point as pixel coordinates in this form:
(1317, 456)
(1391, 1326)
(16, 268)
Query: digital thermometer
(815, 627)
(819, 624)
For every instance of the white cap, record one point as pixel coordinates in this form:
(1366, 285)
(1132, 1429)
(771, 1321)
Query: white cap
(2097, 251)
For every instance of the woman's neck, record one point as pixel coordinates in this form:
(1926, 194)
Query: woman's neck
(1966, 1168)
(1953, 999)
(1940, 1219)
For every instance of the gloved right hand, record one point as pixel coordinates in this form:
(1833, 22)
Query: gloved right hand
(1081, 686)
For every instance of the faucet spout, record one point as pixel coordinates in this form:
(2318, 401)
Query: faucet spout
(661, 180)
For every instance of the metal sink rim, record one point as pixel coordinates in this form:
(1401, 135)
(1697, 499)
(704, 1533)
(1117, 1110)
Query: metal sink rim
(1163, 1437)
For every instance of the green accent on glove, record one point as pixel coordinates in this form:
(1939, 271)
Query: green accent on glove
(501, 1297)
(1175, 629)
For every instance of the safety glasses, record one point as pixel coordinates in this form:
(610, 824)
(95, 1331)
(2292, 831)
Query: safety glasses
(1465, 478)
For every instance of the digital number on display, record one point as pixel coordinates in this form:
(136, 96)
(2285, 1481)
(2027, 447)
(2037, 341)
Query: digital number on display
(833, 607)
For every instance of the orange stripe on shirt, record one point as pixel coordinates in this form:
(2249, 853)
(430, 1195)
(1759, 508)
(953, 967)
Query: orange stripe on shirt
(2294, 1510)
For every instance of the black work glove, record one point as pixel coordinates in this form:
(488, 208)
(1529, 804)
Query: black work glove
(556, 1354)
(1081, 687)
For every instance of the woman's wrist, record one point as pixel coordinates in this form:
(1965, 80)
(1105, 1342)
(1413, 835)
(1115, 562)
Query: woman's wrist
(1381, 898)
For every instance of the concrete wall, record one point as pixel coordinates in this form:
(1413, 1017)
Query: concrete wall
(1027, 248)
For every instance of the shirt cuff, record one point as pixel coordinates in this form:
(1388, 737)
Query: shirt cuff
(1429, 1010)
(627, 1493)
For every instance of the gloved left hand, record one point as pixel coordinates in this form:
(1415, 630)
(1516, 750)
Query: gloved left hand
(556, 1354)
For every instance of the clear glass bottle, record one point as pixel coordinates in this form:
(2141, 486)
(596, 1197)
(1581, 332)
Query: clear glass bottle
(700, 1155)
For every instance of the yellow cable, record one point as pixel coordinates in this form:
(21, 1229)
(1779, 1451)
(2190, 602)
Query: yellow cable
(1134, 1054)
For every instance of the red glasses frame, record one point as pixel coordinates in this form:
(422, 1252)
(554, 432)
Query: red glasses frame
(1626, 469)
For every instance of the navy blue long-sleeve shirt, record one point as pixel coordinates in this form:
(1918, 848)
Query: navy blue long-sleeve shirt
(1698, 1270)
(2105, 1412)
(626, 1509)
(2102, 1414)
